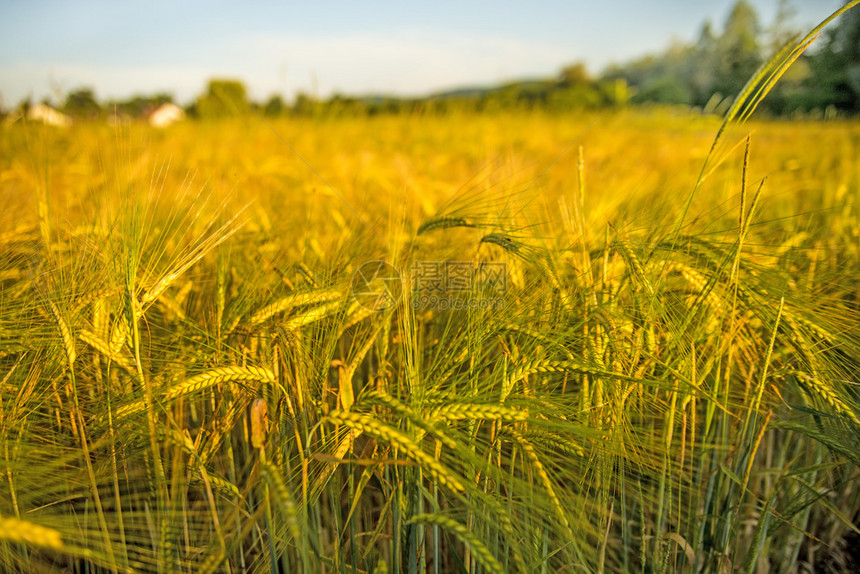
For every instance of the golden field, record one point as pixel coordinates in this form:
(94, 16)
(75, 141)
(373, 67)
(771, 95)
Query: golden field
(198, 375)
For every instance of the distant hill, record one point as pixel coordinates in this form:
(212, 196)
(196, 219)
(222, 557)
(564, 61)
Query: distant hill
(479, 91)
(465, 92)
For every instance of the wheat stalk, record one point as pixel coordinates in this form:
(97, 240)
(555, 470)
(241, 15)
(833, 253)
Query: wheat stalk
(698, 282)
(825, 392)
(204, 381)
(295, 300)
(531, 333)
(187, 260)
(556, 366)
(444, 222)
(220, 485)
(65, 333)
(634, 266)
(104, 348)
(119, 335)
(461, 411)
(305, 272)
(388, 434)
(397, 407)
(21, 233)
(355, 316)
(481, 553)
(283, 496)
(532, 455)
(556, 442)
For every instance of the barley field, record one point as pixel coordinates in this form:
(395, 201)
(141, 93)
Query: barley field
(509, 342)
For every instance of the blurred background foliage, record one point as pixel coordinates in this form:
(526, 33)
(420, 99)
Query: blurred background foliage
(704, 75)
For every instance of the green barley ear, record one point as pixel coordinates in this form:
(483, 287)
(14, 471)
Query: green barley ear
(502, 241)
(443, 222)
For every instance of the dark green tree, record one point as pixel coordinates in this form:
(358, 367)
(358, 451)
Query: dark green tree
(739, 54)
(274, 106)
(223, 98)
(138, 105)
(574, 89)
(666, 89)
(664, 78)
(575, 74)
(782, 31)
(341, 105)
(704, 62)
(835, 78)
(82, 103)
(305, 105)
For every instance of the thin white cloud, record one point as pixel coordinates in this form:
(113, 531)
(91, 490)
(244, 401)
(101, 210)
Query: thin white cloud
(405, 63)
(109, 82)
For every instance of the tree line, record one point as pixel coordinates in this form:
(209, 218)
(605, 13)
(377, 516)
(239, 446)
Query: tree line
(718, 65)
(704, 74)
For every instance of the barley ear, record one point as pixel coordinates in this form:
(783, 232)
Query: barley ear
(15, 530)
(481, 553)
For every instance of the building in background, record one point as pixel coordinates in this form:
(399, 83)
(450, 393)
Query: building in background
(165, 115)
(48, 115)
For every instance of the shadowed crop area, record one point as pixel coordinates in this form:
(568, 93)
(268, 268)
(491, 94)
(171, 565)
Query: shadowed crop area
(517, 341)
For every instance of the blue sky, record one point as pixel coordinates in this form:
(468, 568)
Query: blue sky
(397, 47)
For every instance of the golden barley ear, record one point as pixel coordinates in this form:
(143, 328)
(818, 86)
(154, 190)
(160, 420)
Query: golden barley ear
(203, 381)
(295, 300)
(467, 411)
(23, 531)
(66, 334)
